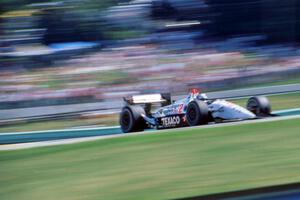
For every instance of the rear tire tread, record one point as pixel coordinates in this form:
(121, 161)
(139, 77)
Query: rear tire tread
(135, 122)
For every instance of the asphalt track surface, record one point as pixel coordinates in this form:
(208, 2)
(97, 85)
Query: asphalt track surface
(23, 140)
(115, 106)
(279, 89)
(66, 136)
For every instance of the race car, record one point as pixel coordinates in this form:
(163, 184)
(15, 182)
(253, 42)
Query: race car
(158, 111)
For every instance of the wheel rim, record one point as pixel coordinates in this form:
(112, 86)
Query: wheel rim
(192, 113)
(253, 106)
(126, 119)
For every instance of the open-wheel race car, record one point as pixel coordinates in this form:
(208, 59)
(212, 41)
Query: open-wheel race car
(159, 112)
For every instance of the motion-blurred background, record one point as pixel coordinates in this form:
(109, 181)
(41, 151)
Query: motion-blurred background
(74, 60)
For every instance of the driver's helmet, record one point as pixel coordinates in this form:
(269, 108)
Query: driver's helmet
(202, 96)
(195, 94)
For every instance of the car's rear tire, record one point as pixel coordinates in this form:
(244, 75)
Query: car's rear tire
(131, 119)
(197, 113)
(259, 105)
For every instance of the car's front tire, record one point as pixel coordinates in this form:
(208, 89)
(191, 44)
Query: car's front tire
(259, 105)
(131, 119)
(197, 113)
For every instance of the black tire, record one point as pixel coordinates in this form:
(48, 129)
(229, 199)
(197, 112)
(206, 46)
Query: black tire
(259, 105)
(197, 113)
(131, 119)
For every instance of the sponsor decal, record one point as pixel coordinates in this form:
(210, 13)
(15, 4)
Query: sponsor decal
(171, 121)
(174, 109)
(180, 108)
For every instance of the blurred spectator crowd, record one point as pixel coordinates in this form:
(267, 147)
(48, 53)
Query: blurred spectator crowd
(76, 51)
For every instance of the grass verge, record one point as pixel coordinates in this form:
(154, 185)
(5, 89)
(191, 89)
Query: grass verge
(166, 165)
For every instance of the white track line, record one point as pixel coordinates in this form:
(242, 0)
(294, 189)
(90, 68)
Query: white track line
(77, 140)
(60, 130)
(107, 127)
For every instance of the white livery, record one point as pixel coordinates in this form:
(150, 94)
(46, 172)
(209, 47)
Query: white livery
(223, 109)
(139, 112)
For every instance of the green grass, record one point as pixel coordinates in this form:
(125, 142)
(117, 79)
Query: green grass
(278, 102)
(165, 165)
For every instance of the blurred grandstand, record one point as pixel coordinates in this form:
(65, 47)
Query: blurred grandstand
(73, 52)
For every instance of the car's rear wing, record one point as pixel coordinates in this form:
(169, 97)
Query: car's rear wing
(164, 98)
